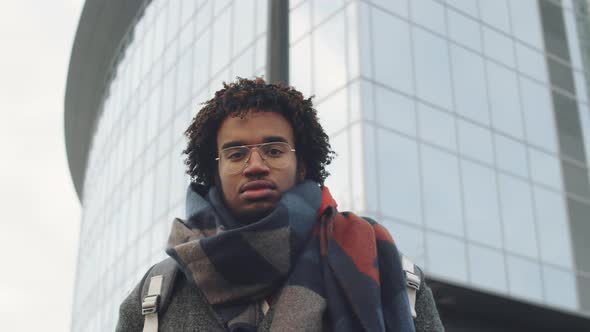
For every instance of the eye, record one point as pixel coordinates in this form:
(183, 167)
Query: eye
(234, 154)
(274, 150)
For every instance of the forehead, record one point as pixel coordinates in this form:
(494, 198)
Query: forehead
(255, 127)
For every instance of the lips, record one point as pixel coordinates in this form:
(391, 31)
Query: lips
(257, 184)
(258, 189)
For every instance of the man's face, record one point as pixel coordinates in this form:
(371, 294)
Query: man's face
(256, 190)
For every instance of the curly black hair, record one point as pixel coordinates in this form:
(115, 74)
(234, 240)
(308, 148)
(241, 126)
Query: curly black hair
(236, 99)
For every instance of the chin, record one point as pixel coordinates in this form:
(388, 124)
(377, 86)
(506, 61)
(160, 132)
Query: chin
(256, 212)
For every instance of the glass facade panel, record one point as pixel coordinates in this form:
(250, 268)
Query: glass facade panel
(398, 7)
(475, 142)
(560, 288)
(520, 235)
(511, 156)
(399, 182)
(504, 100)
(395, 111)
(545, 169)
(469, 7)
(469, 85)
(553, 228)
(301, 76)
(299, 21)
(446, 256)
(324, 9)
(332, 112)
(499, 47)
(524, 278)
(531, 62)
(526, 22)
(464, 30)
(428, 13)
(437, 127)
(538, 114)
(487, 268)
(481, 204)
(329, 56)
(433, 78)
(495, 14)
(442, 193)
(392, 57)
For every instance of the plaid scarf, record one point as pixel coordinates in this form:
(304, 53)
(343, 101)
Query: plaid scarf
(319, 268)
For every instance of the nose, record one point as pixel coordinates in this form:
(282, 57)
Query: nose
(256, 164)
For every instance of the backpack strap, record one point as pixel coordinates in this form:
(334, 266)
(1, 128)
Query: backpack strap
(156, 291)
(413, 281)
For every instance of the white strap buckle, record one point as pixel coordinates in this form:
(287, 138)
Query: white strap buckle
(150, 304)
(412, 280)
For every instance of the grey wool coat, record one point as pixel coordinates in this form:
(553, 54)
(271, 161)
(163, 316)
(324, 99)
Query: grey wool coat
(188, 310)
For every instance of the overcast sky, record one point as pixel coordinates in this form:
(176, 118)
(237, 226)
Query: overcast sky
(39, 224)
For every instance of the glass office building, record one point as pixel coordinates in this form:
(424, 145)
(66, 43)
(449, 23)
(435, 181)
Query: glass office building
(463, 126)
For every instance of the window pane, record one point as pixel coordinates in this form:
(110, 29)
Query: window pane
(486, 268)
(526, 24)
(399, 7)
(183, 79)
(538, 114)
(531, 62)
(201, 63)
(432, 67)
(437, 127)
(572, 38)
(392, 58)
(243, 66)
(576, 180)
(323, 9)
(481, 204)
(466, 6)
(333, 112)
(499, 47)
(495, 13)
(446, 256)
(300, 66)
(524, 278)
(504, 101)
(464, 30)
(511, 155)
(243, 25)
(429, 14)
(395, 111)
(553, 228)
(560, 287)
(517, 216)
(299, 21)
(221, 42)
(442, 200)
(545, 169)
(469, 85)
(329, 56)
(399, 184)
(475, 142)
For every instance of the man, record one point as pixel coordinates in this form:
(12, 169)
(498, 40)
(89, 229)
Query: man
(263, 246)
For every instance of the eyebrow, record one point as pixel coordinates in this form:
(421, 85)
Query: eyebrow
(265, 139)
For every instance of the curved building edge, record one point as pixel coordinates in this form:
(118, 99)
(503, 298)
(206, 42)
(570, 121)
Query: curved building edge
(102, 26)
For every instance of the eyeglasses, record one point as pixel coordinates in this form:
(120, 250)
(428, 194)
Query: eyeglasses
(274, 154)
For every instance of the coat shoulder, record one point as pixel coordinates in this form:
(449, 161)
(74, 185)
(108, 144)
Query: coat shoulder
(427, 316)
